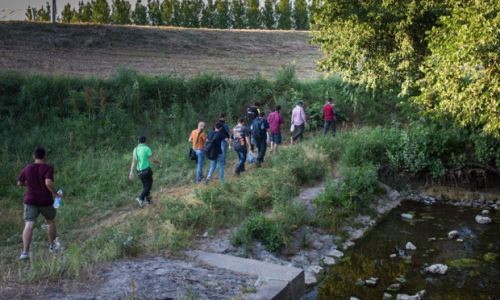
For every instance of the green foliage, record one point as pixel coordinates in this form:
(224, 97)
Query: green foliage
(100, 11)
(238, 14)
(301, 15)
(268, 14)
(268, 231)
(43, 14)
(222, 18)
(140, 14)
(460, 75)
(253, 14)
(67, 13)
(85, 11)
(154, 13)
(208, 15)
(377, 44)
(351, 194)
(121, 12)
(284, 14)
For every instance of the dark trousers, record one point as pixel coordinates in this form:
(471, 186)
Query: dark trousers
(146, 177)
(298, 132)
(261, 147)
(242, 157)
(327, 125)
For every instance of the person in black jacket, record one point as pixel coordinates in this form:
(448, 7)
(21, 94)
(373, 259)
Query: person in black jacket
(214, 151)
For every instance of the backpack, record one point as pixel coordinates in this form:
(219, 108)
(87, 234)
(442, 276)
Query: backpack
(259, 129)
(209, 149)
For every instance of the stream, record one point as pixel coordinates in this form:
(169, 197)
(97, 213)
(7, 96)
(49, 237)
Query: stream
(473, 261)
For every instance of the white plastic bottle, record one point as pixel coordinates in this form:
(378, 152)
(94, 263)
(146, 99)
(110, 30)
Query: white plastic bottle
(58, 199)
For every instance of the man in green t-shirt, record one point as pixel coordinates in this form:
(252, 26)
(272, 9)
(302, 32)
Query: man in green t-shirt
(141, 156)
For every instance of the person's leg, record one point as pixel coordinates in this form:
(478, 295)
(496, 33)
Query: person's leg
(213, 165)
(242, 156)
(222, 162)
(277, 141)
(149, 186)
(199, 166)
(31, 212)
(262, 151)
(326, 126)
(52, 231)
(144, 182)
(334, 127)
(27, 234)
(301, 132)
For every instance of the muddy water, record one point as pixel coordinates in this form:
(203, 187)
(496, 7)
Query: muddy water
(474, 264)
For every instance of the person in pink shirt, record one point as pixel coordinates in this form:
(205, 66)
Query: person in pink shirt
(298, 121)
(329, 117)
(275, 121)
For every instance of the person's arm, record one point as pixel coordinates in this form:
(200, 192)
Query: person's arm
(49, 183)
(132, 166)
(190, 138)
(303, 114)
(21, 183)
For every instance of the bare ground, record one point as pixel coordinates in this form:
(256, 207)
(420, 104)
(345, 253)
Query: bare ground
(99, 50)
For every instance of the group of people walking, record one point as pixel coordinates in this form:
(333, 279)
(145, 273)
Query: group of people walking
(252, 133)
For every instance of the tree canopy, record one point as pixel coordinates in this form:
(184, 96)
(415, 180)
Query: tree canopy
(442, 54)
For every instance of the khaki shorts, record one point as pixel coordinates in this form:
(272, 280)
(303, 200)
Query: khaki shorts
(31, 212)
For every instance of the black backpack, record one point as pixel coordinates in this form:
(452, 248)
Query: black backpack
(259, 129)
(210, 149)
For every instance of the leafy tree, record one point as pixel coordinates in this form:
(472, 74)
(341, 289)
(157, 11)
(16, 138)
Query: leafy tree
(140, 14)
(208, 14)
(461, 77)
(154, 12)
(85, 12)
(121, 11)
(313, 8)
(42, 14)
(222, 19)
(301, 15)
(167, 11)
(29, 14)
(177, 14)
(253, 14)
(284, 14)
(238, 14)
(268, 15)
(376, 44)
(100, 11)
(191, 11)
(67, 13)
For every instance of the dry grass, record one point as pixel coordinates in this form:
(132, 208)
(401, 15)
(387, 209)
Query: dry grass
(99, 50)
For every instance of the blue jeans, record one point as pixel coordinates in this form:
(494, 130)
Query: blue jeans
(261, 147)
(199, 165)
(213, 165)
(223, 146)
(242, 157)
(327, 125)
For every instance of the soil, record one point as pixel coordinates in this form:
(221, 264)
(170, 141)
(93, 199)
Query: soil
(99, 50)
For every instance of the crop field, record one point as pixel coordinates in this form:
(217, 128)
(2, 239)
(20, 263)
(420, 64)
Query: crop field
(100, 50)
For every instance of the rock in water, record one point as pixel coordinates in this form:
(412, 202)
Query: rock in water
(393, 255)
(418, 296)
(407, 216)
(394, 287)
(485, 212)
(452, 234)
(371, 282)
(483, 220)
(335, 253)
(387, 296)
(437, 269)
(410, 246)
(329, 261)
(353, 298)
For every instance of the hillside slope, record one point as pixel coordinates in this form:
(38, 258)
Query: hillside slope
(99, 50)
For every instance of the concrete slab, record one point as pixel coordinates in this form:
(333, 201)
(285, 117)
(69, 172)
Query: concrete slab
(279, 282)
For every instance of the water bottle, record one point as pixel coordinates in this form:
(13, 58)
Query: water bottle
(58, 200)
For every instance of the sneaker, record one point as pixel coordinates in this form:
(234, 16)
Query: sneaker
(149, 200)
(207, 181)
(24, 256)
(55, 247)
(140, 201)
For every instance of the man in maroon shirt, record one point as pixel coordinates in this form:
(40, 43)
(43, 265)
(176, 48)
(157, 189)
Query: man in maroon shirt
(329, 117)
(38, 178)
